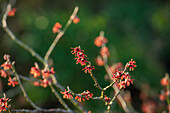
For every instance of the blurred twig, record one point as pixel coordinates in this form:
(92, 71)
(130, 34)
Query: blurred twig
(40, 110)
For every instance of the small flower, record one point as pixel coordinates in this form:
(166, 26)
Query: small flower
(57, 27)
(161, 97)
(35, 71)
(67, 94)
(76, 50)
(104, 51)
(99, 61)
(87, 94)
(6, 65)
(131, 65)
(117, 76)
(36, 83)
(45, 82)
(148, 107)
(76, 20)
(99, 41)
(88, 68)
(4, 103)
(47, 73)
(79, 99)
(165, 81)
(12, 82)
(81, 60)
(12, 12)
(3, 73)
(107, 100)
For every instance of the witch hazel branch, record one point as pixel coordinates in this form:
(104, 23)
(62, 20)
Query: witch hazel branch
(121, 78)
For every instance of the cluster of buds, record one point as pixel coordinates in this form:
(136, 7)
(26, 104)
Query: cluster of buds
(6, 70)
(76, 20)
(81, 58)
(68, 94)
(149, 107)
(123, 78)
(44, 74)
(101, 41)
(12, 12)
(107, 100)
(4, 103)
(165, 93)
(57, 27)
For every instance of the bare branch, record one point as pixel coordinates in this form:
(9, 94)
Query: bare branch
(40, 110)
(61, 33)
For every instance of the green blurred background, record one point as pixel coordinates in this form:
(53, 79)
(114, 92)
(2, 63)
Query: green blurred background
(137, 29)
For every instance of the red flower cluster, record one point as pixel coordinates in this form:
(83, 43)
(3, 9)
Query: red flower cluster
(131, 65)
(76, 20)
(4, 103)
(35, 71)
(46, 80)
(57, 27)
(12, 12)
(67, 94)
(12, 81)
(165, 93)
(123, 79)
(87, 94)
(88, 68)
(79, 98)
(107, 100)
(81, 58)
(7, 68)
(99, 41)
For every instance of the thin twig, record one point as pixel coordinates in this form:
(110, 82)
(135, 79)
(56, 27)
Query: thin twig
(60, 99)
(96, 82)
(13, 37)
(119, 97)
(23, 90)
(40, 110)
(61, 33)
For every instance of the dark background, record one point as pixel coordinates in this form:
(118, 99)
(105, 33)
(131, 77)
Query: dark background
(137, 29)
